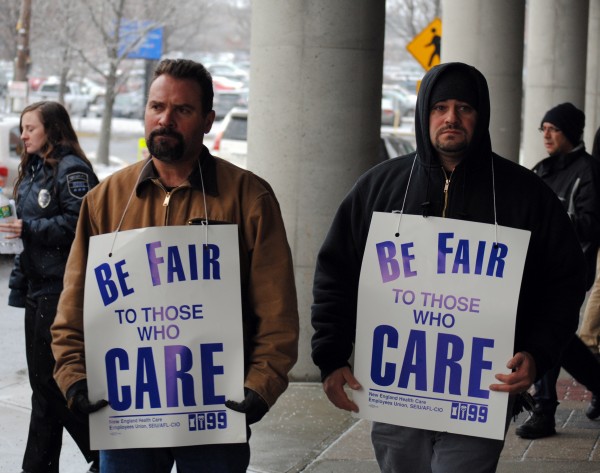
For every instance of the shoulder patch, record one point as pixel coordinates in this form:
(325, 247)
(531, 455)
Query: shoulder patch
(78, 184)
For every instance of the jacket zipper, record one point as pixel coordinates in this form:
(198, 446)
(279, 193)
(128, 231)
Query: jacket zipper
(167, 199)
(446, 187)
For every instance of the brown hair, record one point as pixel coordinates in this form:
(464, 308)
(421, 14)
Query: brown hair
(188, 69)
(60, 136)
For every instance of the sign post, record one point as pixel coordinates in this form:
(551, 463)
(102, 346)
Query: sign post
(426, 46)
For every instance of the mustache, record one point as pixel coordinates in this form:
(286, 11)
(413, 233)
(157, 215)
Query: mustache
(164, 132)
(452, 127)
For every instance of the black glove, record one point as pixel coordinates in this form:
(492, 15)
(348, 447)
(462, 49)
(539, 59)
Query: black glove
(78, 401)
(254, 406)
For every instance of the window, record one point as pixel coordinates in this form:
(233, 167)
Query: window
(237, 129)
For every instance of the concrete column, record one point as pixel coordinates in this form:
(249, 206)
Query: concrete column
(315, 111)
(592, 83)
(555, 65)
(489, 35)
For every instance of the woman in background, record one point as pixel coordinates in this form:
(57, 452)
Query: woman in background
(54, 175)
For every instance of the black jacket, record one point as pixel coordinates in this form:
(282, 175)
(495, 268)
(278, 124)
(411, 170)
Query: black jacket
(48, 203)
(575, 178)
(552, 289)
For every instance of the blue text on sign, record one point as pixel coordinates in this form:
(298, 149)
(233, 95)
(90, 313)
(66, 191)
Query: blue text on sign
(456, 256)
(178, 361)
(412, 363)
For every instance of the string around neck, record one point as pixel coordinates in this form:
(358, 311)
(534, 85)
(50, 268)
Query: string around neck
(127, 207)
(205, 223)
(401, 211)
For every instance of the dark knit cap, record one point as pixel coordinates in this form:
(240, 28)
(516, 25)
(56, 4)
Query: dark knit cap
(568, 119)
(457, 84)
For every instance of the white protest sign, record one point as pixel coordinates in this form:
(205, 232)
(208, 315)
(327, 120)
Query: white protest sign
(436, 320)
(163, 337)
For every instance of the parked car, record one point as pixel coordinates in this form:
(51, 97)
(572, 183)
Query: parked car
(390, 115)
(407, 102)
(225, 100)
(393, 145)
(231, 140)
(225, 83)
(76, 102)
(10, 152)
(129, 105)
(92, 88)
(231, 71)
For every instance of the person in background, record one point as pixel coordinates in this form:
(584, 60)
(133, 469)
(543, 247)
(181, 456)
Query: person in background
(181, 183)
(453, 174)
(54, 176)
(574, 176)
(589, 331)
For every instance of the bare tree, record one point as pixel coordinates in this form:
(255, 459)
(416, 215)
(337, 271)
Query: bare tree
(9, 16)
(405, 19)
(110, 18)
(239, 12)
(23, 30)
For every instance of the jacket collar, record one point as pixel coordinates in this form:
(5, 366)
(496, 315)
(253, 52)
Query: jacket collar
(561, 161)
(209, 175)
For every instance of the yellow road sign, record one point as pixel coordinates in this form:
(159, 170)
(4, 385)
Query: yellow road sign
(426, 46)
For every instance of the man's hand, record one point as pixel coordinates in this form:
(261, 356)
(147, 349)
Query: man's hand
(522, 376)
(254, 406)
(333, 386)
(78, 401)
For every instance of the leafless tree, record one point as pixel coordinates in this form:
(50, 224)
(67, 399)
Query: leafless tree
(9, 15)
(108, 19)
(405, 19)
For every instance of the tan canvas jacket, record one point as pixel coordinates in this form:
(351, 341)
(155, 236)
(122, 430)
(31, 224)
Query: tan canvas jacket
(233, 195)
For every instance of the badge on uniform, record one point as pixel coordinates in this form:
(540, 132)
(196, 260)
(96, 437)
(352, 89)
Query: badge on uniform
(78, 184)
(44, 198)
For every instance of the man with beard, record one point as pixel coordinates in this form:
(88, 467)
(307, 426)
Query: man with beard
(179, 184)
(453, 174)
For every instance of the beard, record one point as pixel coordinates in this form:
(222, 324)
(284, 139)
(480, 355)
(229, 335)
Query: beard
(458, 145)
(164, 150)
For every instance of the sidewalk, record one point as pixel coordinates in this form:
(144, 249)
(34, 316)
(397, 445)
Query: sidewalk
(318, 438)
(304, 433)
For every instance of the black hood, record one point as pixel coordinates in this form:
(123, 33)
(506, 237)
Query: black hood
(480, 146)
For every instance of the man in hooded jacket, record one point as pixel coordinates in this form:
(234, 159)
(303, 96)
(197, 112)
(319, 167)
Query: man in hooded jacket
(455, 175)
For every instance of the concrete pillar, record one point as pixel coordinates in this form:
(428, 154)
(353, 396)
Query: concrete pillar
(555, 65)
(314, 125)
(592, 83)
(489, 35)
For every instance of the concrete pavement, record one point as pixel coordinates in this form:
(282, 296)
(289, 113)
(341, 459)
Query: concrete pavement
(303, 432)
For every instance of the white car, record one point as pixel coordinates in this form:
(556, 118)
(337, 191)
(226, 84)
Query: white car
(76, 102)
(231, 140)
(10, 152)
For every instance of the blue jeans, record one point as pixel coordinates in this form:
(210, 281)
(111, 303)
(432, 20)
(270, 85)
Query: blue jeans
(220, 458)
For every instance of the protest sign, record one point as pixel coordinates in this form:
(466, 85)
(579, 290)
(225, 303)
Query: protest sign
(436, 318)
(163, 337)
